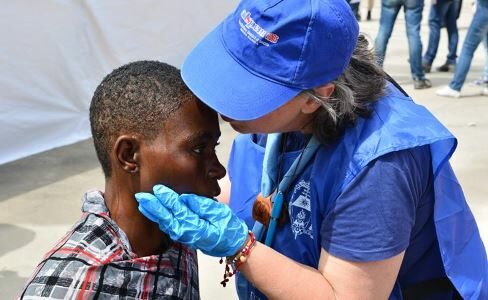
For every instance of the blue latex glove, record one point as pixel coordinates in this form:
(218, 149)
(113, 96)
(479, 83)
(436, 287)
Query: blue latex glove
(196, 221)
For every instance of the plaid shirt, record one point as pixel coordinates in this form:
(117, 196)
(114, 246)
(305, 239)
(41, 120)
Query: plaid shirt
(94, 261)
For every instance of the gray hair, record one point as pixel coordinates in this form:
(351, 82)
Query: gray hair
(362, 83)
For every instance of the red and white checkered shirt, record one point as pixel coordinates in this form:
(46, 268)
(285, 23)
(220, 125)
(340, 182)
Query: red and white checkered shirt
(94, 260)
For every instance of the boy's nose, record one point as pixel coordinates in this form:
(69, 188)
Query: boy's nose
(216, 170)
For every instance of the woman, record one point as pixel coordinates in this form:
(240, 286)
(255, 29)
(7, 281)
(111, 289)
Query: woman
(364, 202)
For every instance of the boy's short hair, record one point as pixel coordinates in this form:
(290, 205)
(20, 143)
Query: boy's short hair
(135, 98)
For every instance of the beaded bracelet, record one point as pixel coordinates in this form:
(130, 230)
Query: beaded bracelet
(232, 263)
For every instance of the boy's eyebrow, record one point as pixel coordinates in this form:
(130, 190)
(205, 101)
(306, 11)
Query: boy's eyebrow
(203, 135)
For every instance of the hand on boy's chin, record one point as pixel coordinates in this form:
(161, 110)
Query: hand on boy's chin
(195, 221)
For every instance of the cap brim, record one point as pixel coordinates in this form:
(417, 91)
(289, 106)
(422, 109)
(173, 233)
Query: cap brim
(226, 86)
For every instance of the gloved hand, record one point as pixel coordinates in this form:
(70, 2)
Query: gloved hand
(196, 221)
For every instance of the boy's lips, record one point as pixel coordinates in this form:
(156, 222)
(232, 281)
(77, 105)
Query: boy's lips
(213, 191)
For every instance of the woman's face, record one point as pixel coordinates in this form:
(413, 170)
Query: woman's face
(290, 117)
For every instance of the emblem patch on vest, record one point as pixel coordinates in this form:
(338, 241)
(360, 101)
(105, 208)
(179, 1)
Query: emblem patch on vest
(300, 210)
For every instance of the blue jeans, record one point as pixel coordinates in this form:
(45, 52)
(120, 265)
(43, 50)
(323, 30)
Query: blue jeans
(443, 11)
(485, 44)
(477, 31)
(354, 8)
(413, 16)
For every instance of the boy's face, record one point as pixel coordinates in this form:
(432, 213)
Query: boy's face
(183, 154)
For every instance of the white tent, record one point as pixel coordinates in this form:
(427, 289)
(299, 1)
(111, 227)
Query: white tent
(53, 53)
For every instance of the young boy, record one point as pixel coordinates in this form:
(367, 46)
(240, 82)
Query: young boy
(148, 128)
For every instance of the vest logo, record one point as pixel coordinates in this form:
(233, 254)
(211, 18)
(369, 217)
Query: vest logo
(300, 210)
(254, 32)
(253, 296)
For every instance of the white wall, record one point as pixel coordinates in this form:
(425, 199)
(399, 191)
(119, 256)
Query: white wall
(53, 54)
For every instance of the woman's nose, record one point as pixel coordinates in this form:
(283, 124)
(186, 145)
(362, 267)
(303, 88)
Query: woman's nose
(226, 119)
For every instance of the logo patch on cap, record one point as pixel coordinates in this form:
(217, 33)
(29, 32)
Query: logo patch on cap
(254, 32)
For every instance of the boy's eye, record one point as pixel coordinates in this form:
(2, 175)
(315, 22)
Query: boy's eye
(199, 149)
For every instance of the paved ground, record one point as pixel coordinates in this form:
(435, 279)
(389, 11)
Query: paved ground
(39, 195)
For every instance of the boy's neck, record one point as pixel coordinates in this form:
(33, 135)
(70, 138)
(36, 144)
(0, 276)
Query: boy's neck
(144, 235)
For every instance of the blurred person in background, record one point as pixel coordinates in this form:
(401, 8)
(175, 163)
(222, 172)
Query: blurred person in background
(355, 8)
(370, 9)
(413, 17)
(442, 12)
(477, 32)
(483, 80)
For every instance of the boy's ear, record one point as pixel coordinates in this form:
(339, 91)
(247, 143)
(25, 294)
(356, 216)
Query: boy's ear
(127, 154)
(324, 91)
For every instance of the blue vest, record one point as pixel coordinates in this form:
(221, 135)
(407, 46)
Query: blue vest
(397, 123)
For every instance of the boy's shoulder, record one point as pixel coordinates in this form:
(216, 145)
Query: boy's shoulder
(87, 247)
(95, 252)
(93, 240)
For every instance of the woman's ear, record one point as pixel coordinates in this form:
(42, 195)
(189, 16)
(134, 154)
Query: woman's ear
(312, 103)
(127, 154)
(325, 91)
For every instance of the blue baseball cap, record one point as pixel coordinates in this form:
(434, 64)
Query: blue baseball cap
(266, 52)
